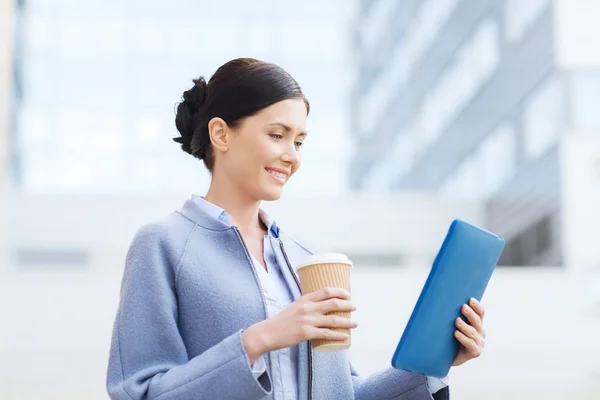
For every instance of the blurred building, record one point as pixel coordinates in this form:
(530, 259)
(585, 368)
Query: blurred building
(62, 290)
(68, 253)
(7, 14)
(471, 98)
(100, 81)
(93, 93)
(6, 107)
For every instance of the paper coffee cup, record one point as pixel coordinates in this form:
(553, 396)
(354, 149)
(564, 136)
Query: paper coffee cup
(326, 270)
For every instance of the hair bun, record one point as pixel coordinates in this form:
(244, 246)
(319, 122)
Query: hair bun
(194, 97)
(185, 120)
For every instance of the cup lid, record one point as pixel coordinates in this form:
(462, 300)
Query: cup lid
(324, 259)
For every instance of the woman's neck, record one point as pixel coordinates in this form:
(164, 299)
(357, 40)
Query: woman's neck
(242, 209)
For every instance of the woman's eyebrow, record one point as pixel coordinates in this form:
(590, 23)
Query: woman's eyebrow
(287, 128)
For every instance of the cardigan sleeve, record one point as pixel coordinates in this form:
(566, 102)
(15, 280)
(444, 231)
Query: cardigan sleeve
(148, 358)
(393, 384)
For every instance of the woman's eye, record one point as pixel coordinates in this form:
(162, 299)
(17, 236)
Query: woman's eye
(276, 136)
(299, 144)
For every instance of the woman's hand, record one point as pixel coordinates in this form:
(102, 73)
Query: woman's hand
(471, 335)
(304, 319)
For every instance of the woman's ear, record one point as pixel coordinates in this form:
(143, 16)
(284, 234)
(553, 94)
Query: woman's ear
(218, 131)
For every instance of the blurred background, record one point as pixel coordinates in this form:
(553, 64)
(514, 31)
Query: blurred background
(423, 110)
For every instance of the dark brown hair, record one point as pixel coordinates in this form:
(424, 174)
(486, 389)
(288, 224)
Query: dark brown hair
(238, 89)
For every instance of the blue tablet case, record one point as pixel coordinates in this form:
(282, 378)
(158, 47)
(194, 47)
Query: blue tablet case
(461, 270)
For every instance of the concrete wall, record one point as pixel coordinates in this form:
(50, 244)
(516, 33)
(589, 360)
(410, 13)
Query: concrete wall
(542, 341)
(57, 321)
(410, 225)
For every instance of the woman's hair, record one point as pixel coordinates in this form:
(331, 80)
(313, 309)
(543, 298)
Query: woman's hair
(238, 89)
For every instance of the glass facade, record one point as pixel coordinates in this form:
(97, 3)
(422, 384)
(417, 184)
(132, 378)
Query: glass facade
(544, 117)
(521, 15)
(489, 167)
(585, 97)
(465, 75)
(101, 80)
(469, 104)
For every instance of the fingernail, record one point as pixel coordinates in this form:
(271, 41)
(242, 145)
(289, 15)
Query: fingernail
(355, 324)
(465, 308)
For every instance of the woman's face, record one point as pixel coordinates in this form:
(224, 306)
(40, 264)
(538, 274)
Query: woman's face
(263, 152)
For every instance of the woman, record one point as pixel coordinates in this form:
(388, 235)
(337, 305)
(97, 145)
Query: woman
(210, 305)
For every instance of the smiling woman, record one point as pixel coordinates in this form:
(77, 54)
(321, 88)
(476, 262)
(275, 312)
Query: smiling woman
(250, 119)
(210, 303)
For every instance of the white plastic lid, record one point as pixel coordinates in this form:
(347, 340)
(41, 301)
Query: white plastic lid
(324, 259)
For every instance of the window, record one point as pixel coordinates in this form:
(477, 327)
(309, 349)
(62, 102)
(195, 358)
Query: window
(543, 235)
(520, 15)
(378, 180)
(374, 107)
(489, 167)
(498, 152)
(399, 68)
(69, 124)
(51, 257)
(430, 18)
(75, 172)
(465, 183)
(137, 64)
(73, 34)
(393, 164)
(376, 23)
(486, 50)
(585, 99)
(472, 66)
(33, 128)
(38, 172)
(544, 117)
(38, 31)
(39, 75)
(402, 153)
(531, 243)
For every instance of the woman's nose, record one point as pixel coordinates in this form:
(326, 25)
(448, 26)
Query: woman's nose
(290, 154)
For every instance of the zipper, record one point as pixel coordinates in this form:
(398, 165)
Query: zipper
(262, 295)
(310, 372)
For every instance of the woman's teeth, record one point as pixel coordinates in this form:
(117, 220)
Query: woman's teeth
(277, 174)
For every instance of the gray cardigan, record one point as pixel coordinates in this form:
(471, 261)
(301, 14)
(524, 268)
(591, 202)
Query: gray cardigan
(188, 291)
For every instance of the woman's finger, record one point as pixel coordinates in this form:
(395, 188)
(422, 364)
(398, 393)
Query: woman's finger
(328, 293)
(469, 344)
(328, 334)
(335, 305)
(335, 321)
(469, 331)
(477, 307)
(474, 319)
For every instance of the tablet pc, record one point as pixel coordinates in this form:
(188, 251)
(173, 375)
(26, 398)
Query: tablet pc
(461, 270)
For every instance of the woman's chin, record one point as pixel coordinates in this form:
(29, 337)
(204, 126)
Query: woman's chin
(272, 193)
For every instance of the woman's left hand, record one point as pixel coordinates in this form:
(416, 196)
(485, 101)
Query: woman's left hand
(471, 335)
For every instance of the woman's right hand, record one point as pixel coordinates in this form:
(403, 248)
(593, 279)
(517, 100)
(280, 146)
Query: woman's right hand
(304, 319)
